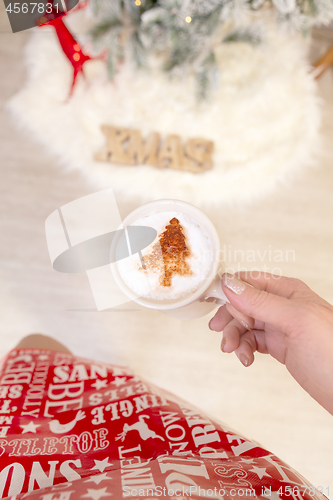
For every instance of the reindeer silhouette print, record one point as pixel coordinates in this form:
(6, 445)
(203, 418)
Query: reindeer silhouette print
(141, 427)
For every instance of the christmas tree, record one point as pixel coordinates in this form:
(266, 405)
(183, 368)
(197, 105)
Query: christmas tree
(183, 35)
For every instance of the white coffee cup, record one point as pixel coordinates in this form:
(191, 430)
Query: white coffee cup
(208, 295)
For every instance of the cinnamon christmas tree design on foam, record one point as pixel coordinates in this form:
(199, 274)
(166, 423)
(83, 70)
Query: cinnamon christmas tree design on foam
(169, 254)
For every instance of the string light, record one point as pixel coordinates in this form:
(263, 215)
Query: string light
(137, 2)
(188, 19)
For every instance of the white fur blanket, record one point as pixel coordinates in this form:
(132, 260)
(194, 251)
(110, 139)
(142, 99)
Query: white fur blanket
(263, 118)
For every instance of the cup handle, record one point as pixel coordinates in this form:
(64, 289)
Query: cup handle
(215, 293)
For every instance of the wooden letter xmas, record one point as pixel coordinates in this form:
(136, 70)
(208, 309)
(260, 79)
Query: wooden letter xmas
(126, 147)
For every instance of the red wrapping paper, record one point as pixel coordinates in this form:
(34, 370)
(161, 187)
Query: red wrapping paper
(71, 428)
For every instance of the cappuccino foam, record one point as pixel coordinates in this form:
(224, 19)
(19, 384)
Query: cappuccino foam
(174, 264)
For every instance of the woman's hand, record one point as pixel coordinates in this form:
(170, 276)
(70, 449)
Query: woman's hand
(282, 317)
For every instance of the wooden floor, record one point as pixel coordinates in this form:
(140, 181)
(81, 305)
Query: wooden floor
(262, 402)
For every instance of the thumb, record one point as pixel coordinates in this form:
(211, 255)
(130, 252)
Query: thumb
(258, 304)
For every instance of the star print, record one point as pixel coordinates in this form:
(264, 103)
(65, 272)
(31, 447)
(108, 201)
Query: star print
(98, 478)
(101, 465)
(43, 357)
(119, 371)
(247, 460)
(96, 494)
(260, 471)
(99, 384)
(119, 381)
(30, 427)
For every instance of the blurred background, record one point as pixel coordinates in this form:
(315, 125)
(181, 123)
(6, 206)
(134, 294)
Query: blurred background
(277, 220)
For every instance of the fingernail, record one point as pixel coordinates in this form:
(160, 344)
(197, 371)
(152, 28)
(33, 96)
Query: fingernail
(243, 359)
(223, 343)
(233, 283)
(244, 324)
(209, 324)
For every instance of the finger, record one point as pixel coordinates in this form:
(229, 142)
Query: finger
(273, 283)
(250, 342)
(246, 349)
(243, 319)
(261, 305)
(231, 336)
(221, 318)
(260, 341)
